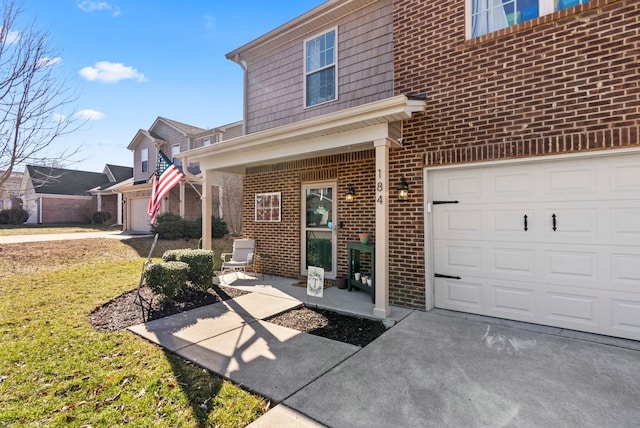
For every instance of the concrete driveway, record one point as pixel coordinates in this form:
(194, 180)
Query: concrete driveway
(437, 369)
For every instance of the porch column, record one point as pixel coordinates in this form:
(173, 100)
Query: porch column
(381, 308)
(99, 203)
(119, 209)
(207, 182)
(182, 186)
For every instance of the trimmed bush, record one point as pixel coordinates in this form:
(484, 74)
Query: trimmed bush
(200, 265)
(171, 226)
(192, 229)
(168, 226)
(100, 217)
(219, 228)
(166, 278)
(14, 216)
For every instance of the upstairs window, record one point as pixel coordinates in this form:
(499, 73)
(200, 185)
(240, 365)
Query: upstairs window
(144, 160)
(488, 16)
(175, 149)
(320, 69)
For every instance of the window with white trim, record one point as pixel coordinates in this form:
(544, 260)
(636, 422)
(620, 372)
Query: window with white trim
(175, 149)
(320, 68)
(144, 160)
(487, 16)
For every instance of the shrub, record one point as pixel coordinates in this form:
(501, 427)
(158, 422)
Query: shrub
(200, 265)
(100, 217)
(166, 278)
(168, 226)
(219, 227)
(192, 229)
(14, 216)
(171, 226)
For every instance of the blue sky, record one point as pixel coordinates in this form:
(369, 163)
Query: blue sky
(130, 61)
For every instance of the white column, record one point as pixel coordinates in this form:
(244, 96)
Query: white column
(119, 209)
(381, 308)
(99, 204)
(206, 208)
(182, 196)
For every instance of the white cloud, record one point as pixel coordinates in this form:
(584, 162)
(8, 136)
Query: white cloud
(98, 6)
(59, 117)
(88, 114)
(13, 37)
(93, 6)
(111, 72)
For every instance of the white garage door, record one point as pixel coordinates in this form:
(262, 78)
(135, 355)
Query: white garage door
(139, 218)
(553, 242)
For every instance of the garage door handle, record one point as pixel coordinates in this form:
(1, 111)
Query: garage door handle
(525, 223)
(553, 220)
(438, 275)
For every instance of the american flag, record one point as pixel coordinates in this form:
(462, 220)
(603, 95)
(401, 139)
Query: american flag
(164, 178)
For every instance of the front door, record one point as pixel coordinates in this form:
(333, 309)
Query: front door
(318, 227)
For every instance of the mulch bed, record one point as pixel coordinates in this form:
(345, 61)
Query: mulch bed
(122, 312)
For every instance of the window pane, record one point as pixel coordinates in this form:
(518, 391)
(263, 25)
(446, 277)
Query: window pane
(321, 86)
(319, 250)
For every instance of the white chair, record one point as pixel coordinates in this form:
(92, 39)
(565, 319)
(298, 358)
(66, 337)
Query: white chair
(242, 259)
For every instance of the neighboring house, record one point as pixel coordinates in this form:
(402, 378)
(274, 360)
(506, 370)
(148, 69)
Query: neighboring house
(58, 195)
(186, 199)
(9, 192)
(514, 135)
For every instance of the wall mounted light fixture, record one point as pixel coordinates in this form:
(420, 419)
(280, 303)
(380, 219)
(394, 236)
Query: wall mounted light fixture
(349, 194)
(403, 190)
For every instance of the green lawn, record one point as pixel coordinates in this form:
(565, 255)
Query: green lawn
(56, 370)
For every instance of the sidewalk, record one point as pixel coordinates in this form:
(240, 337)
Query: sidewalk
(231, 339)
(116, 234)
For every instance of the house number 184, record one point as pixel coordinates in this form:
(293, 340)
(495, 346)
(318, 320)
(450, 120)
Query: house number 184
(379, 188)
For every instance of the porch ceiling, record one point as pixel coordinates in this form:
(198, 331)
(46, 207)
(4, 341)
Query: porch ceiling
(348, 130)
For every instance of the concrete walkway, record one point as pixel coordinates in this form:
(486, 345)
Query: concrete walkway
(432, 369)
(229, 338)
(116, 234)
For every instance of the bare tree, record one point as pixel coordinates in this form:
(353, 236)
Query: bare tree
(32, 99)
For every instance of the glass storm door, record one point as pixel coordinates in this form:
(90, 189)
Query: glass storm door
(319, 228)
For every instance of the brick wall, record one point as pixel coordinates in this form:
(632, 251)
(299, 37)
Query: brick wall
(562, 83)
(67, 210)
(282, 240)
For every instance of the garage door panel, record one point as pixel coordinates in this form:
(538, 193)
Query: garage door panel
(626, 315)
(513, 261)
(576, 309)
(624, 177)
(625, 224)
(510, 301)
(585, 275)
(567, 180)
(625, 271)
(572, 266)
(511, 183)
(457, 258)
(460, 295)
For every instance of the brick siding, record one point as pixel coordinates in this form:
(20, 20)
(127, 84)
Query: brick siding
(562, 83)
(282, 240)
(67, 210)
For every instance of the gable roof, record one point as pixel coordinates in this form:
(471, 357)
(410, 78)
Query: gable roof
(184, 128)
(118, 173)
(61, 181)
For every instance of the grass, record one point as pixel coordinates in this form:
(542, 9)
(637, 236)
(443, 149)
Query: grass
(56, 370)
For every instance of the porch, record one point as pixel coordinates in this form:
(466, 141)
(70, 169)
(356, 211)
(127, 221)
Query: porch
(355, 302)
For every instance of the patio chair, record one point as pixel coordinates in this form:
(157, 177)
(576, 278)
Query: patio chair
(242, 259)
